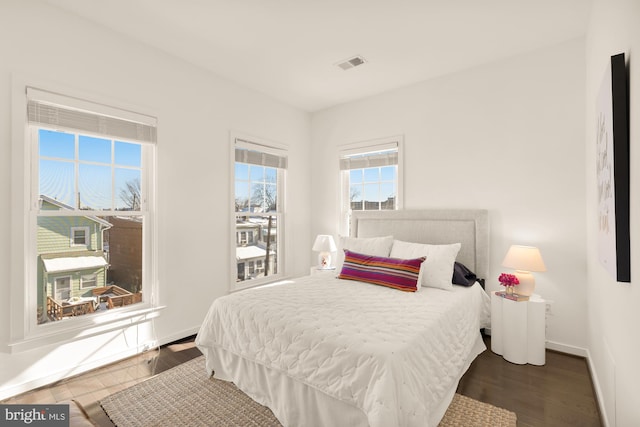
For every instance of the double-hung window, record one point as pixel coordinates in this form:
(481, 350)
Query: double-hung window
(90, 195)
(259, 187)
(79, 236)
(89, 281)
(371, 177)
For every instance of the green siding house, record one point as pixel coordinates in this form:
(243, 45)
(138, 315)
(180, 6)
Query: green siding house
(71, 261)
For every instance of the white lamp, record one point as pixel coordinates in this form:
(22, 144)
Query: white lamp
(325, 245)
(524, 259)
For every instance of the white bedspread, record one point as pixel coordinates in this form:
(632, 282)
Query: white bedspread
(392, 354)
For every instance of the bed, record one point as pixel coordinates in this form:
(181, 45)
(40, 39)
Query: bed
(323, 351)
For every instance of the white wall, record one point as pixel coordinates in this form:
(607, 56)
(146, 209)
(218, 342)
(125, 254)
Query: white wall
(508, 137)
(613, 314)
(196, 111)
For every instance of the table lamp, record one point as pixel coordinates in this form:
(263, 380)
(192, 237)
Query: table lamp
(524, 259)
(325, 245)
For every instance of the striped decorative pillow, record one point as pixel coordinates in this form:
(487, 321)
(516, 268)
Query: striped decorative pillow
(395, 273)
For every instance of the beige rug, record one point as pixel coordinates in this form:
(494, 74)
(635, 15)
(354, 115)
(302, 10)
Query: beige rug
(184, 396)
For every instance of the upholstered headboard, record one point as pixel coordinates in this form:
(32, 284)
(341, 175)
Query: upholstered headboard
(470, 227)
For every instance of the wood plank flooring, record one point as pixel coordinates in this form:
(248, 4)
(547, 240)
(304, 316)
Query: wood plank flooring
(560, 393)
(89, 388)
(557, 394)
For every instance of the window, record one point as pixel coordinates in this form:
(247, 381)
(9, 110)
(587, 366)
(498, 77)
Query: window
(89, 281)
(370, 177)
(79, 236)
(259, 185)
(91, 208)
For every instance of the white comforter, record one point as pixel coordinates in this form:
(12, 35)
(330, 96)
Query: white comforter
(392, 354)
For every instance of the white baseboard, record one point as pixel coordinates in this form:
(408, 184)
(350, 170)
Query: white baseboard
(598, 390)
(179, 335)
(563, 348)
(566, 348)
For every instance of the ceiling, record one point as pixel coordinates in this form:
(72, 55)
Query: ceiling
(288, 49)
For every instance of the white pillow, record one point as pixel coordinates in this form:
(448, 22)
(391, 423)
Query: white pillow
(437, 269)
(376, 246)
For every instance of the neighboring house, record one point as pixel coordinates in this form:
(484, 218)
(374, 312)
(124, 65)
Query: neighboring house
(71, 260)
(251, 248)
(388, 204)
(124, 243)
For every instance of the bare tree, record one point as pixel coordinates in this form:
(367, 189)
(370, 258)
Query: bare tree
(354, 193)
(241, 204)
(264, 196)
(131, 194)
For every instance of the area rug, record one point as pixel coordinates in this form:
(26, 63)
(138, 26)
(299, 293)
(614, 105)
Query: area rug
(185, 396)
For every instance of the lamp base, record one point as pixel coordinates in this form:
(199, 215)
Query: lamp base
(527, 283)
(324, 260)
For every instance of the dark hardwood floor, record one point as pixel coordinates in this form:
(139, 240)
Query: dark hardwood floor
(559, 393)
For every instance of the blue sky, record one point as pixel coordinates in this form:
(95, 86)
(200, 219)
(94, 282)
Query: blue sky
(104, 167)
(372, 184)
(247, 177)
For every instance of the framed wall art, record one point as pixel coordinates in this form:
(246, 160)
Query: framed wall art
(612, 165)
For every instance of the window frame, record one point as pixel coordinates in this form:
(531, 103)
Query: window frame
(363, 147)
(259, 144)
(24, 331)
(73, 243)
(94, 279)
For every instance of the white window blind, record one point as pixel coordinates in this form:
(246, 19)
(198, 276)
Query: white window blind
(375, 156)
(63, 112)
(260, 155)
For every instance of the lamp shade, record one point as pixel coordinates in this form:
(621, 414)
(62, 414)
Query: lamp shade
(524, 258)
(324, 243)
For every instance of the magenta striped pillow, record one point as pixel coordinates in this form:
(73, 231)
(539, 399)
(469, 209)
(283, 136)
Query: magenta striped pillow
(395, 273)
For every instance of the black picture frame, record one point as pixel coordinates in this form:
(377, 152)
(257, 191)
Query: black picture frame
(613, 171)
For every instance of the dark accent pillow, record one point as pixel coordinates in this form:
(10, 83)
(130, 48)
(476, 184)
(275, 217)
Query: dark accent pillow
(401, 274)
(462, 275)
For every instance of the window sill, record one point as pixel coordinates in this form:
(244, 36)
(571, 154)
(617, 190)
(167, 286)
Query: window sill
(56, 334)
(250, 284)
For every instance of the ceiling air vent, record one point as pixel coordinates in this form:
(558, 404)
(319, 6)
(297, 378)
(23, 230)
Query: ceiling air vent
(351, 62)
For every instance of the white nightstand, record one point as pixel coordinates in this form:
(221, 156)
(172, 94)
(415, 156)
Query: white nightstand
(318, 270)
(518, 329)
